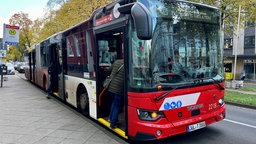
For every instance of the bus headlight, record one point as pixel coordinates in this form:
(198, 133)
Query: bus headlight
(148, 115)
(221, 101)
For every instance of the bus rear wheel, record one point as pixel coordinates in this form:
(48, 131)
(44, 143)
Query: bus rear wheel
(83, 102)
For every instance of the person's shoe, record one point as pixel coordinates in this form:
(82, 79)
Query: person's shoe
(48, 96)
(113, 126)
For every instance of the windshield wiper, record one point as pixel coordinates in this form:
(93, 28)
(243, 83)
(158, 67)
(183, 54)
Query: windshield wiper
(177, 87)
(165, 94)
(198, 81)
(218, 83)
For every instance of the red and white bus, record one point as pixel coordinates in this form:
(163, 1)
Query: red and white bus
(164, 94)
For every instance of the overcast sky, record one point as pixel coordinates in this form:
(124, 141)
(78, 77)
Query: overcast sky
(35, 9)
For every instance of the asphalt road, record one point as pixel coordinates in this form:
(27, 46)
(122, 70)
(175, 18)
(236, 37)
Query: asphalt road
(239, 127)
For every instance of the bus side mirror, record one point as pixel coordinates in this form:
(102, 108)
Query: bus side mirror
(142, 19)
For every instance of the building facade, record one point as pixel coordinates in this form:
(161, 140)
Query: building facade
(240, 54)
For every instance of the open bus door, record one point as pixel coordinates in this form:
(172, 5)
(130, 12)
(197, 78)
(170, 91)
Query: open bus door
(110, 48)
(56, 55)
(114, 34)
(62, 68)
(33, 68)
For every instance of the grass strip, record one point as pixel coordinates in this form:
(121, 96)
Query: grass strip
(241, 98)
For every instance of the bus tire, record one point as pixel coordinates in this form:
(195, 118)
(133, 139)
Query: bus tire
(83, 102)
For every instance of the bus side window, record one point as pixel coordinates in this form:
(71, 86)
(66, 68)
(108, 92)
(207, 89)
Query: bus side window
(112, 50)
(104, 56)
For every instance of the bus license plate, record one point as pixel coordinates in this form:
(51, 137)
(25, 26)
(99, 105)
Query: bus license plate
(196, 126)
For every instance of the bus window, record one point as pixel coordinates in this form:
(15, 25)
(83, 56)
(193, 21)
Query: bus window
(78, 48)
(69, 48)
(104, 57)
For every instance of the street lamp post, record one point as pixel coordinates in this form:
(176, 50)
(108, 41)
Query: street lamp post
(237, 42)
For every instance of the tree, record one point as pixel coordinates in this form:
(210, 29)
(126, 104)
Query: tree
(36, 31)
(229, 9)
(77, 10)
(69, 14)
(13, 54)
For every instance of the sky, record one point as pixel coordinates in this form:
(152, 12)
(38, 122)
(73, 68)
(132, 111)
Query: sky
(34, 8)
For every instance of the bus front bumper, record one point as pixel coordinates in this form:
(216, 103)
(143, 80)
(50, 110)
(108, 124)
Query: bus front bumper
(144, 131)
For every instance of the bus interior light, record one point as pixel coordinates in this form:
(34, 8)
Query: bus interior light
(139, 83)
(148, 115)
(118, 33)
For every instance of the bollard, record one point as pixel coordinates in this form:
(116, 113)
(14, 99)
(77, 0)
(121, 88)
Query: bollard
(228, 84)
(3, 71)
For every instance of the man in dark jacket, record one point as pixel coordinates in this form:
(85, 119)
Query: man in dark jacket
(116, 88)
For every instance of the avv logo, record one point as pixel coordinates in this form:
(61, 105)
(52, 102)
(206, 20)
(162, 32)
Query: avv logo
(179, 101)
(173, 105)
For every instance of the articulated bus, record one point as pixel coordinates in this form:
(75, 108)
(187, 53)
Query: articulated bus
(164, 94)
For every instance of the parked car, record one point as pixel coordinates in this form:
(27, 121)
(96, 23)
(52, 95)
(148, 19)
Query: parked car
(21, 67)
(16, 64)
(10, 69)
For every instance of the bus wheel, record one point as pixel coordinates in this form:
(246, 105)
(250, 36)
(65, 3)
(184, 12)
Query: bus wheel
(83, 102)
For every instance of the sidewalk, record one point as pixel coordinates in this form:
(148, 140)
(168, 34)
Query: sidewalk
(27, 117)
(245, 83)
(241, 91)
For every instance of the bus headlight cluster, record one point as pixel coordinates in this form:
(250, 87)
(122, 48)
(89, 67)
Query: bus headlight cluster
(148, 115)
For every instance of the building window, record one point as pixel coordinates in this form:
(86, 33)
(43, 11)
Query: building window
(228, 67)
(228, 43)
(249, 41)
(249, 24)
(250, 70)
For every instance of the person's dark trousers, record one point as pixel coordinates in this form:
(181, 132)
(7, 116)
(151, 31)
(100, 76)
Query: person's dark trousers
(116, 106)
(49, 91)
(50, 88)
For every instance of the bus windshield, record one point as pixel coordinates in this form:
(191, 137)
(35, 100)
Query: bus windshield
(185, 48)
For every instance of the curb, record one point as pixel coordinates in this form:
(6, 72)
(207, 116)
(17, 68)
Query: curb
(241, 105)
